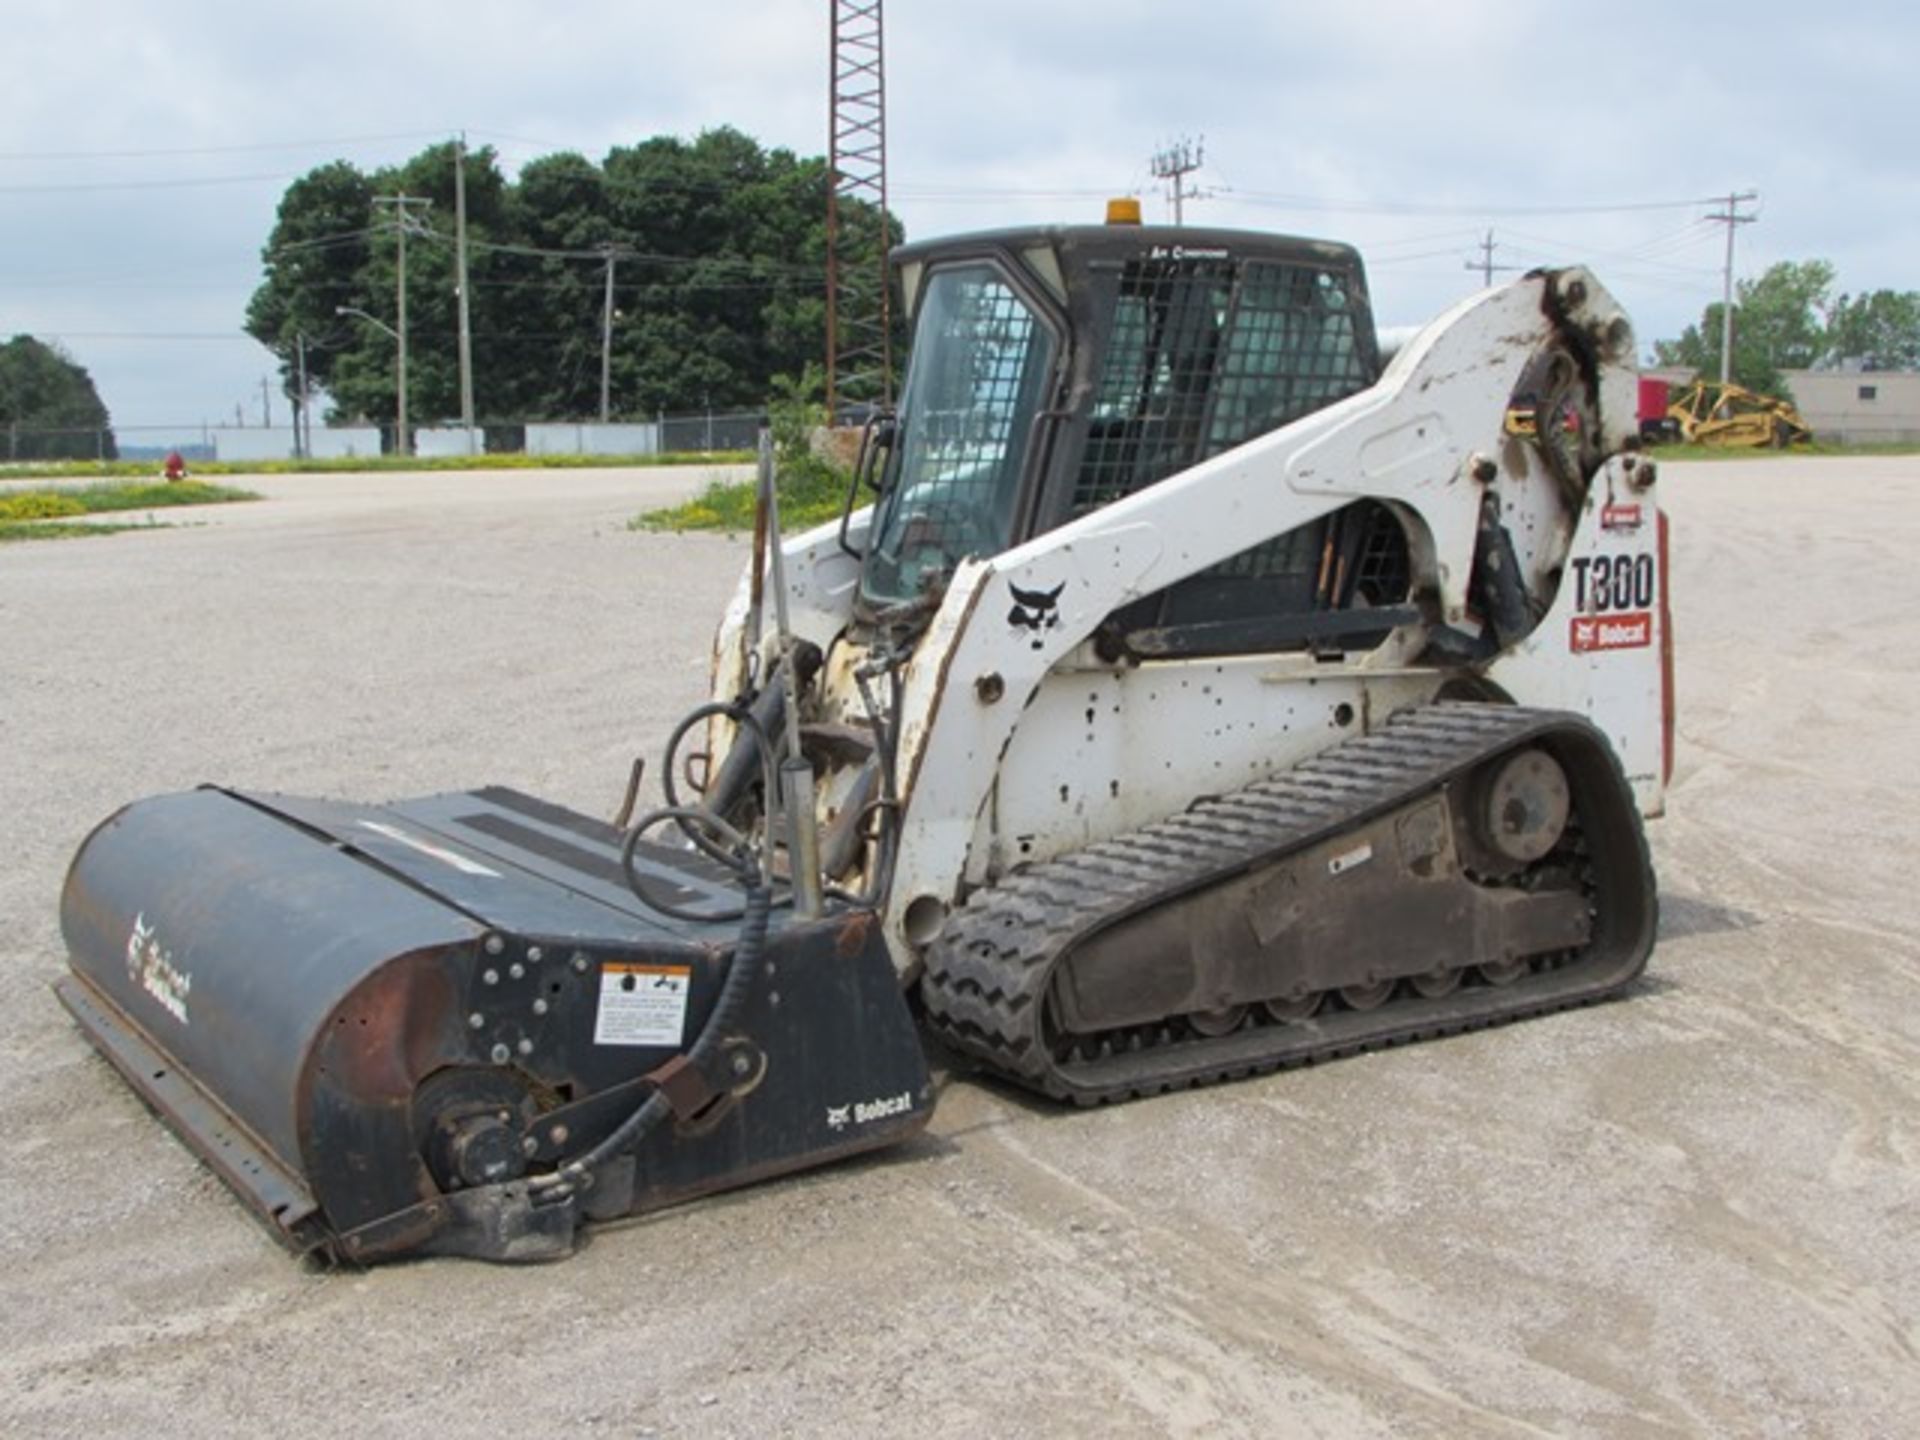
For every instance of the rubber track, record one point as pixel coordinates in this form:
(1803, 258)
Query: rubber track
(988, 971)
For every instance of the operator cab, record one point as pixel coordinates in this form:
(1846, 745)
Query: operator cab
(1057, 369)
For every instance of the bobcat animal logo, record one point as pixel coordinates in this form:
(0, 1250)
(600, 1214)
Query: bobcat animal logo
(839, 1116)
(1035, 610)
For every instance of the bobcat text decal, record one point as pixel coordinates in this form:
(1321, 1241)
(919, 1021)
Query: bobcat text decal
(841, 1116)
(151, 968)
(1611, 632)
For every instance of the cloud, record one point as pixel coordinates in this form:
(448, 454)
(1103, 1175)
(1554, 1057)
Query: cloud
(1427, 124)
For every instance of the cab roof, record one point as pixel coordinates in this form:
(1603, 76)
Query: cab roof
(1126, 242)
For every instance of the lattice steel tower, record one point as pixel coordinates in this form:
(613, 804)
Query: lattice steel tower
(859, 310)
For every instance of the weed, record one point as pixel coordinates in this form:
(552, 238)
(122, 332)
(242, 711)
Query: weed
(811, 493)
(12, 530)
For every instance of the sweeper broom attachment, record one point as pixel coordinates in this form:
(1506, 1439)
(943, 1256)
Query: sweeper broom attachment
(450, 1026)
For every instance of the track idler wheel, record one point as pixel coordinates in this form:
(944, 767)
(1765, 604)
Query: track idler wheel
(1522, 811)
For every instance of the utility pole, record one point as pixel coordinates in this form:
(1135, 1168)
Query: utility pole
(612, 253)
(1730, 217)
(266, 409)
(302, 423)
(1485, 264)
(460, 263)
(1173, 165)
(401, 223)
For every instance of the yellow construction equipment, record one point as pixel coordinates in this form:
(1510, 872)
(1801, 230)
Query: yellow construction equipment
(1732, 417)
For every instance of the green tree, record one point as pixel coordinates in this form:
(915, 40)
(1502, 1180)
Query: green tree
(720, 277)
(314, 261)
(1880, 331)
(49, 409)
(1779, 323)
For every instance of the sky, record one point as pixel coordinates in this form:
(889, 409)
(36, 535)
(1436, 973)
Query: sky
(144, 147)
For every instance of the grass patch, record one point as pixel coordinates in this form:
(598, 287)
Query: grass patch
(12, 530)
(145, 469)
(39, 505)
(811, 492)
(17, 505)
(58, 514)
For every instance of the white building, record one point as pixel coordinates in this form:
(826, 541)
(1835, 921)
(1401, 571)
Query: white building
(1858, 407)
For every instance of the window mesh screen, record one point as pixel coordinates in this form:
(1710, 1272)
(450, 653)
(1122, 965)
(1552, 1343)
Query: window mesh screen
(1383, 573)
(1150, 411)
(1291, 352)
(1205, 354)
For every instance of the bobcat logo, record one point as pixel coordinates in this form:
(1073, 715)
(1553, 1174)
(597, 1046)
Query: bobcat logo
(839, 1116)
(1035, 610)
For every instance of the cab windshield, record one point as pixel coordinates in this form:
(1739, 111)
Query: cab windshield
(975, 382)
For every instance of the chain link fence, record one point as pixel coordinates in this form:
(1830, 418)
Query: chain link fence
(662, 435)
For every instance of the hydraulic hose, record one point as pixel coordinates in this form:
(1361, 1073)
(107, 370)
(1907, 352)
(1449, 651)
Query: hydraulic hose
(747, 954)
(685, 816)
(722, 842)
(751, 725)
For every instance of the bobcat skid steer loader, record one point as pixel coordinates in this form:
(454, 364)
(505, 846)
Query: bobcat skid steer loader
(1196, 697)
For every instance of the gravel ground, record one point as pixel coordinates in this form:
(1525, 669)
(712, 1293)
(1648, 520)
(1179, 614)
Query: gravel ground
(1693, 1212)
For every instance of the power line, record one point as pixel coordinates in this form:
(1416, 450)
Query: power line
(169, 335)
(1427, 237)
(1407, 207)
(255, 148)
(176, 183)
(1645, 253)
(1386, 261)
(597, 255)
(339, 237)
(970, 195)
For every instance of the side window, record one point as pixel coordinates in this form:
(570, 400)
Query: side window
(974, 384)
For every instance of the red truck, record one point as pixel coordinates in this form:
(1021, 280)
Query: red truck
(1656, 426)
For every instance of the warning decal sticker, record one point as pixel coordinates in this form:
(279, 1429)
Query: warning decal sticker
(642, 1004)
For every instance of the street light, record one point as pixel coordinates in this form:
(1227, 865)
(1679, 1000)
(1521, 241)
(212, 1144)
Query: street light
(400, 446)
